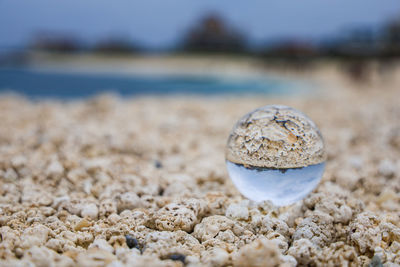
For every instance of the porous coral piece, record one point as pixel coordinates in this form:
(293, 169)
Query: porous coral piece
(211, 226)
(95, 257)
(165, 243)
(127, 201)
(217, 203)
(34, 236)
(175, 217)
(364, 233)
(318, 228)
(42, 256)
(216, 257)
(238, 211)
(332, 205)
(179, 216)
(304, 251)
(260, 252)
(339, 254)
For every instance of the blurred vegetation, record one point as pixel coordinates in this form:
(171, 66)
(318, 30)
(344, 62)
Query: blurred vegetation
(116, 46)
(57, 43)
(212, 34)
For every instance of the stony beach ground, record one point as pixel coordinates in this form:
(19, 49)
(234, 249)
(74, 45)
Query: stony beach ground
(142, 182)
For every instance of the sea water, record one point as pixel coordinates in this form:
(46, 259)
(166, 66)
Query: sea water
(39, 84)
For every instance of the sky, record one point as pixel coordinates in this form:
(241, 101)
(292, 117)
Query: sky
(160, 23)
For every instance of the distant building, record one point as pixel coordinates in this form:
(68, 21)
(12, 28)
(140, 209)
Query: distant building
(212, 34)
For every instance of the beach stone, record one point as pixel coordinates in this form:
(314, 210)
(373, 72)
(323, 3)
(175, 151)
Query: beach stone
(10, 174)
(35, 236)
(211, 226)
(59, 200)
(90, 210)
(42, 256)
(387, 168)
(303, 251)
(19, 161)
(56, 244)
(81, 224)
(365, 233)
(55, 168)
(107, 207)
(217, 203)
(334, 206)
(164, 243)
(132, 242)
(95, 257)
(356, 162)
(216, 257)
(260, 252)
(318, 228)
(127, 201)
(269, 224)
(175, 217)
(238, 211)
(102, 244)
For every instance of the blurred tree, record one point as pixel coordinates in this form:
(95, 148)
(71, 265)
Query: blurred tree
(212, 34)
(291, 49)
(356, 43)
(391, 39)
(55, 43)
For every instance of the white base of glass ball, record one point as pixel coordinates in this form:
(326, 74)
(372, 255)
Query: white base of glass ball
(281, 186)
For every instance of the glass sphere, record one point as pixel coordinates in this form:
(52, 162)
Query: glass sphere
(275, 153)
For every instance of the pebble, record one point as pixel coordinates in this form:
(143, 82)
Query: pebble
(102, 244)
(256, 253)
(132, 242)
(90, 210)
(387, 168)
(81, 224)
(177, 257)
(238, 211)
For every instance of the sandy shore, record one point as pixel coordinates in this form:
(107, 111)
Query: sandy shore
(78, 177)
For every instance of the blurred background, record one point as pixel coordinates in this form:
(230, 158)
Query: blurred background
(79, 48)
